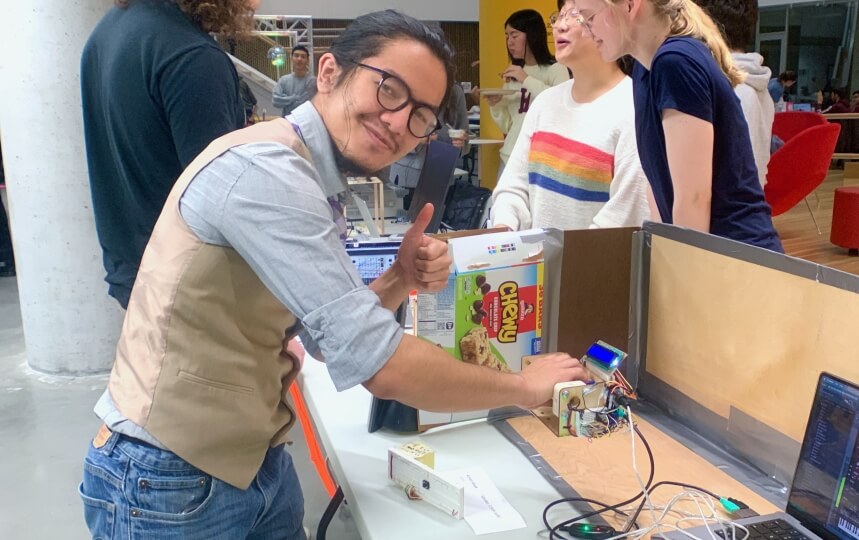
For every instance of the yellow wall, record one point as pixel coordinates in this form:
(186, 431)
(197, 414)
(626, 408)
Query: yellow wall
(493, 60)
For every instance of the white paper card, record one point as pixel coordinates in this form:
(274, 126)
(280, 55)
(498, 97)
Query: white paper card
(486, 509)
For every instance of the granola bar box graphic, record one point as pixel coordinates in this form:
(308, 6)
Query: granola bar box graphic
(491, 313)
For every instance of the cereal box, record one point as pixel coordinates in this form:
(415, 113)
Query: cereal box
(491, 313)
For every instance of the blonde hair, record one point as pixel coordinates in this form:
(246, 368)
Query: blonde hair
(688, 19)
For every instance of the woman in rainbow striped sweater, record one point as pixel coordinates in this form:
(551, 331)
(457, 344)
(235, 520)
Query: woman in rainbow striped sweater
(575, 164)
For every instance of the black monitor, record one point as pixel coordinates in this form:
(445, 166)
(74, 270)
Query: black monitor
(434, 182)
(824, 495)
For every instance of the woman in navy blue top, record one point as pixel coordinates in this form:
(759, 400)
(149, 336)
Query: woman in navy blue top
(692, 137)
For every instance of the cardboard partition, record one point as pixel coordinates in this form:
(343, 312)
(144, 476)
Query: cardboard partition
(594, 296)
(732, 339)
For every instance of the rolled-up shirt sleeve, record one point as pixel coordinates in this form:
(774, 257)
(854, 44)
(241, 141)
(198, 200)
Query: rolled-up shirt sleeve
(265, 201)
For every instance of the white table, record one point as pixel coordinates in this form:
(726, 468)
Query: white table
(380, 508)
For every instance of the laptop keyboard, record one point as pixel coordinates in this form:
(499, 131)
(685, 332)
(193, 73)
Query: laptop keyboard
(775, 529)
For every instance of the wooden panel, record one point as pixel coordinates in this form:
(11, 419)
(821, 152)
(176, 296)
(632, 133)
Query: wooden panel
(728, 333)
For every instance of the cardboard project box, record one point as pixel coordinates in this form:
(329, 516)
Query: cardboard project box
(578, 283)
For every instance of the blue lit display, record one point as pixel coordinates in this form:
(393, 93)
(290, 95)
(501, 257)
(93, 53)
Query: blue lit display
(604, 356)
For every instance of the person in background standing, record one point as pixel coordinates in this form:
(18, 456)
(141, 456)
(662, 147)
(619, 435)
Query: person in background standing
(299, 86)
(532, 69)
(575, 165)
(156, 90)
(692, 138)
(779, 85)
(739, 19)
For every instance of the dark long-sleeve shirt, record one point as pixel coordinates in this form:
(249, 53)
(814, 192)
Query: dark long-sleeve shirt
(156, 90)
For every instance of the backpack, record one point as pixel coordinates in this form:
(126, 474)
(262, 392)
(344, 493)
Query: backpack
(466, 206)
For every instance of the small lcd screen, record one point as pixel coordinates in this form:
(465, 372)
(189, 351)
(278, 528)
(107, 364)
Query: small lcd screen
(603, 355)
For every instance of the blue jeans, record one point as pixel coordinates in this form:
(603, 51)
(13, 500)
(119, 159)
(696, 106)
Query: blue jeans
(134, 490)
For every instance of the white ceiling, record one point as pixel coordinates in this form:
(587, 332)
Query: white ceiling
(436, 10)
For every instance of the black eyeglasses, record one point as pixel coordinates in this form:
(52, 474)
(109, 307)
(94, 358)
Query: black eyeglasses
(393, 95)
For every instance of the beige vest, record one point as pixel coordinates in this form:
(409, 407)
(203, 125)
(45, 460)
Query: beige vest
(199, 363)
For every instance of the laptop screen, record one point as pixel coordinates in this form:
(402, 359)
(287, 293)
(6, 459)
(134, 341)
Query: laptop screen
(372, 258)
(825, 492)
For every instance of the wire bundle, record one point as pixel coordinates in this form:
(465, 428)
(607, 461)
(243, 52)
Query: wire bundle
(583, 421)
(660, 515)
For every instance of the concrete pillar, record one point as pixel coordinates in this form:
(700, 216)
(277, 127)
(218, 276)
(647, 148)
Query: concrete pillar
(70, 324)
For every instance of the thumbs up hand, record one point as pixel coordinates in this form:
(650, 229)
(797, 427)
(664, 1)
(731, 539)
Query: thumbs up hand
(423, 262)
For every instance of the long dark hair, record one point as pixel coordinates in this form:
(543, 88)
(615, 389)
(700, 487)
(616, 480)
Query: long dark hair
(367, 35)
(532, 24)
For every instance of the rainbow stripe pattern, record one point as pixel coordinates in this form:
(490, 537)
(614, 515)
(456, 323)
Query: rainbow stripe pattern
(569, 168)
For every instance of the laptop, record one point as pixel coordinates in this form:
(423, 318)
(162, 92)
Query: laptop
(373, 257)
(434, 182)
(824, 495)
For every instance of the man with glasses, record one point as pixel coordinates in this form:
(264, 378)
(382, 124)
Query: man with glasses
(247, 254)
(405, 173)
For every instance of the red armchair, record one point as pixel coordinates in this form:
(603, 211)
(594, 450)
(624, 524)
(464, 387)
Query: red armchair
(788, 124)
(800, 166)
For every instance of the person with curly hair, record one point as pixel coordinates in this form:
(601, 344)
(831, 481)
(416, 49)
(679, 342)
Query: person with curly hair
(156, 90)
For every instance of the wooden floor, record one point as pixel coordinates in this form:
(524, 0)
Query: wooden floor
(799, 236)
